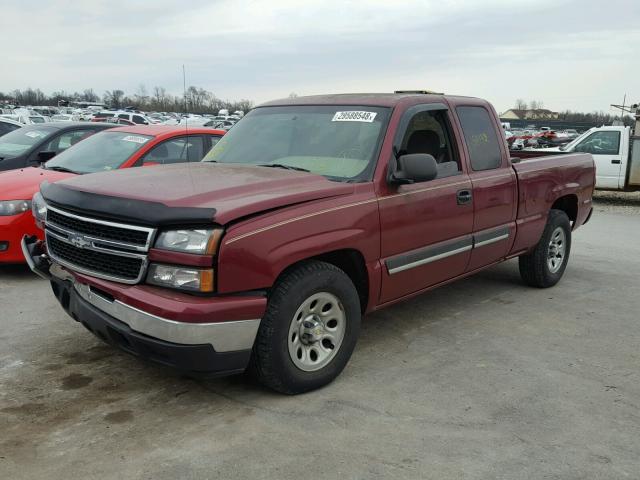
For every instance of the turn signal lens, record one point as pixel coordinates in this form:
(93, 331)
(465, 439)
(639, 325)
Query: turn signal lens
(181, 278)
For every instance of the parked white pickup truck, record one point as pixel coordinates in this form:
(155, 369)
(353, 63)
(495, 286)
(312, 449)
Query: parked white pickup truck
(617, 161)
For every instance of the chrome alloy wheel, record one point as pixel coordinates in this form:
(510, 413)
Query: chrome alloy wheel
(556, 250)
(316, 331)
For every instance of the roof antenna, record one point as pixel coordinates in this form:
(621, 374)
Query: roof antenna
(186, 117)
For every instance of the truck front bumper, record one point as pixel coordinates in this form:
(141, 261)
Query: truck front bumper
(198, 349)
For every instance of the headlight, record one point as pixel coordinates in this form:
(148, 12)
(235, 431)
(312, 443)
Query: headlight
(183, 278)
(190, 241)
(39, 209)
(14, 207)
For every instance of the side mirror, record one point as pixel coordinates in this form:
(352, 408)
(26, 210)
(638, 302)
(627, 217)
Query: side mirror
(414, 167)
(45, 155)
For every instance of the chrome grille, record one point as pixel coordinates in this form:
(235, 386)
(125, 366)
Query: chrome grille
(103, 249)
(97, 230)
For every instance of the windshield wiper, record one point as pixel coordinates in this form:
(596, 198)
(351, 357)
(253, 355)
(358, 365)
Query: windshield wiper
(61, 169)
(286, 167)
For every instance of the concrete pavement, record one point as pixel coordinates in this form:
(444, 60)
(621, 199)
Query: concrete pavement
(481, 379)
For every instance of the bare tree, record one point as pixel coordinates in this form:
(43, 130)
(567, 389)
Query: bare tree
(521, 104)
(141, 96)
(160, 98)
(536, 104)
(88, 95)
(114, 98)
(198, 99)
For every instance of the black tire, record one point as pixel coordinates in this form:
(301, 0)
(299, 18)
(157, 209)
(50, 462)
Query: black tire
(271, 362)
(534, 267)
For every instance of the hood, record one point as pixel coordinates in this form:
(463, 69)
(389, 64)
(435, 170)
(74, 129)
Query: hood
(23, 183)
(227, 192)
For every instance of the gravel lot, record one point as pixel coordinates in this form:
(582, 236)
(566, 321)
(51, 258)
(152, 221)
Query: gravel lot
(482, 379)
(617, 202)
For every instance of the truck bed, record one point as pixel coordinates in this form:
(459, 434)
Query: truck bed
(542, 183)
(534, 153)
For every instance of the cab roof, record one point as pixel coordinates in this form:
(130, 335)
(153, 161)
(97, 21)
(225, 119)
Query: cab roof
(369, 99)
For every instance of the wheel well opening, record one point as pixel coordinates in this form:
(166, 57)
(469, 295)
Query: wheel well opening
(569, 205)
(352, 263)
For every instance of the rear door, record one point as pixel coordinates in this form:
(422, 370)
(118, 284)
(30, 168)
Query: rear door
(494, 185)
(426, 226)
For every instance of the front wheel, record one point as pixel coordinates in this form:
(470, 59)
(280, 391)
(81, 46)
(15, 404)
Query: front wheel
(309, 330)
(544, 266)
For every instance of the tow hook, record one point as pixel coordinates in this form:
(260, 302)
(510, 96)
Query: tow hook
(35, 255)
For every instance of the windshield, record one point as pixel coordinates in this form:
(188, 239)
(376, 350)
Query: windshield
(100, 152)
(339, 142)
(20, 141)
(36, 119)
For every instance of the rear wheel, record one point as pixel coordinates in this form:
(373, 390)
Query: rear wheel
(544, 266)
(309, 330)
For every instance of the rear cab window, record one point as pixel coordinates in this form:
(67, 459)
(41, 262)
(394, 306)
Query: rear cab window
(480, 137)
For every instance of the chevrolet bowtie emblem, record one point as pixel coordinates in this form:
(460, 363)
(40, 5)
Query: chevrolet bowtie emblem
(79, 241)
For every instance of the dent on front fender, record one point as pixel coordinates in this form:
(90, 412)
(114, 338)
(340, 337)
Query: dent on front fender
(253, 258)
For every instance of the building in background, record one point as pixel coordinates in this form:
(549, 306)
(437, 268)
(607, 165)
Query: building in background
(534, 114)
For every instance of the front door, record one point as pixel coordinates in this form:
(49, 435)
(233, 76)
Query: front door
(426, 227)
(605, 146)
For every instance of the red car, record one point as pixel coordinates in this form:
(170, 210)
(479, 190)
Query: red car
(121, 147)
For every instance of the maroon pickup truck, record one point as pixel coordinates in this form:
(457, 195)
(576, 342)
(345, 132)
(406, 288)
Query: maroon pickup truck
(308, 214)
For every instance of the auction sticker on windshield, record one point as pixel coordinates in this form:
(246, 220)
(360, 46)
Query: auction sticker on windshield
(35, 134)
(135, 139)
(354, 116)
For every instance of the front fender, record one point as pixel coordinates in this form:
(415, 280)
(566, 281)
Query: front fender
(254, 260)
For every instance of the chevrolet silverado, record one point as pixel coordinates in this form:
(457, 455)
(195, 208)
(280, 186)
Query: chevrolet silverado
(308, 214)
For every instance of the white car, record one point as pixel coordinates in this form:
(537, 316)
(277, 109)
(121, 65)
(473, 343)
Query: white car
(137, 118)
(25, 117)
(64, 117)
(194, 120)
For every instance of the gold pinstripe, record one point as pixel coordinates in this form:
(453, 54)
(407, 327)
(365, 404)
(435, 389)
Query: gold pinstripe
(423, 190)
(302, 217)
(341, 207)
(477, 179)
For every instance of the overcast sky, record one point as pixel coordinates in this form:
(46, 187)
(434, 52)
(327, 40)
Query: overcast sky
(580, 55)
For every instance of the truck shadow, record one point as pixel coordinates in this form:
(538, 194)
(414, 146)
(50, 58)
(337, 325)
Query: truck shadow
(500, 285)
(78, 376)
